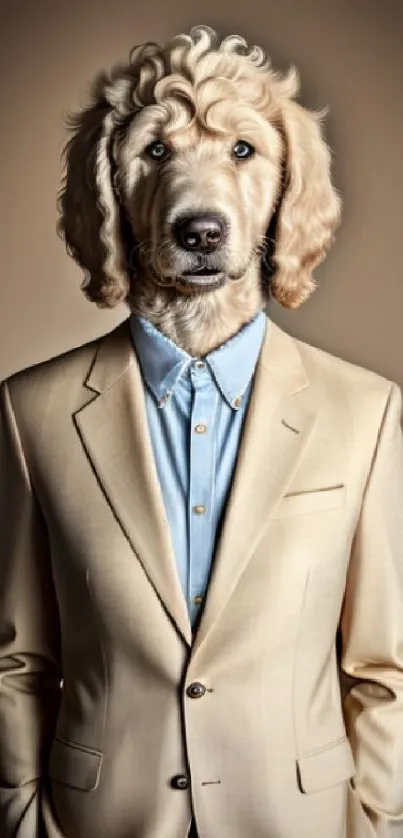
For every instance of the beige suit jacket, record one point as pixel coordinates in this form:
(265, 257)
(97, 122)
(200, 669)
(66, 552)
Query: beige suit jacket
(289, 736)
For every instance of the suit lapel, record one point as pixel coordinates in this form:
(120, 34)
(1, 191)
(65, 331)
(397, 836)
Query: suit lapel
(114, 432)
(276, 432)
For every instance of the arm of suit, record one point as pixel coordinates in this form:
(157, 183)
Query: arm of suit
(372, 640)
(30, 671)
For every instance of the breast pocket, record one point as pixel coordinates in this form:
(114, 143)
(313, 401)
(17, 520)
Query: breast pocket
(315, 500)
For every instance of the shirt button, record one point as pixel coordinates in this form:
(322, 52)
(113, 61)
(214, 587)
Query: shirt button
(195, 690)
(165, 398)
(199, 365)
(201, 429)
(198, 599)
(237, 401)
(199, 509)
(179, 781)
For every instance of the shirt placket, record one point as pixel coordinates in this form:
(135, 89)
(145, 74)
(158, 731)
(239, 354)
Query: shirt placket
(201, 483)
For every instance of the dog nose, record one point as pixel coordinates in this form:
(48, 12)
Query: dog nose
(204, 233)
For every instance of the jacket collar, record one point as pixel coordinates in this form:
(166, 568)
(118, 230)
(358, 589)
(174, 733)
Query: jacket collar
(114, 355)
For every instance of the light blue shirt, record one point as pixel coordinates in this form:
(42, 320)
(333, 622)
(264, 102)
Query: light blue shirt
(196, 409)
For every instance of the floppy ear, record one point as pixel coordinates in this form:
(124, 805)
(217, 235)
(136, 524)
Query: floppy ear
(309, 209)
(91, 221)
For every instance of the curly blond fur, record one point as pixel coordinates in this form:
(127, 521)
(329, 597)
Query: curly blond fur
(117, 207)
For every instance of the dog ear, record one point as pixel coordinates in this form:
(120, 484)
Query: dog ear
(91, 220)
(309, 209)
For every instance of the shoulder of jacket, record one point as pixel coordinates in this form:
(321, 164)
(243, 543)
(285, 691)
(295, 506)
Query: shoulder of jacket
(41, 378)
(337, 374)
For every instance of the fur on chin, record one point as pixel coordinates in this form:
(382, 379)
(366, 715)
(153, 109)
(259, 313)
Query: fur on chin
(199, 322)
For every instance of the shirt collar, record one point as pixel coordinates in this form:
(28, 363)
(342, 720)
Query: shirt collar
(232, 364)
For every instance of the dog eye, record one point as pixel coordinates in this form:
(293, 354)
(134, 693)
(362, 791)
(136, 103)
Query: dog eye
(157, 150)
(242, 150)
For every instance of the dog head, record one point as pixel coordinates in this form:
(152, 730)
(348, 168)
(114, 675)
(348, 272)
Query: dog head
(192, 170)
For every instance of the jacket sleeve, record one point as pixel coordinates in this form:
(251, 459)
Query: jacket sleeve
(30, 670)
(372, 641)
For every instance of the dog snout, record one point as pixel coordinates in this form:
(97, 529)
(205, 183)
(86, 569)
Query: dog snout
(201, 233)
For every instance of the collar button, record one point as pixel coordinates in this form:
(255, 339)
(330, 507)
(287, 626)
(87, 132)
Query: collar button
(165, 398)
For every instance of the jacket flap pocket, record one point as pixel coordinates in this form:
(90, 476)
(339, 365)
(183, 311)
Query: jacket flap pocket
(317, 500)
(75, 765)
(327, 767)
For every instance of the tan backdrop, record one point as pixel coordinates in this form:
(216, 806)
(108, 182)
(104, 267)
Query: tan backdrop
(349, 53)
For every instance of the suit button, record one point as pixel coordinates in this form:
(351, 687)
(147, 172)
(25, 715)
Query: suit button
(195, 690)
(180, 781)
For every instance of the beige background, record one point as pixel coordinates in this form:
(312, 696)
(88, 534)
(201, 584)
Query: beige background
(350, 57)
